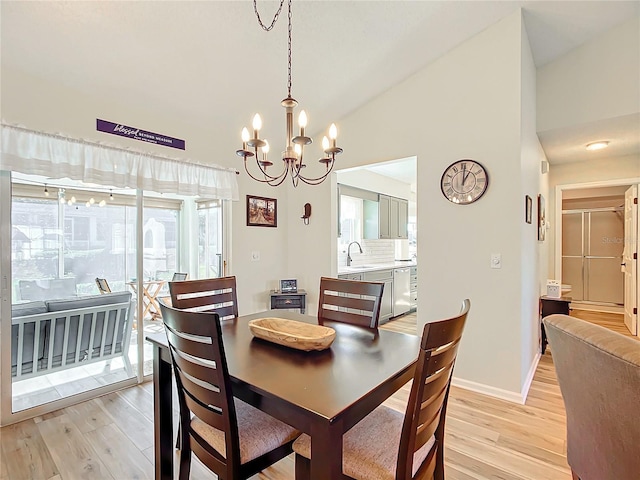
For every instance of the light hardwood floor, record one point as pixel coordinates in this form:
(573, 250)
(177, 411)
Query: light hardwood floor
(111, 437)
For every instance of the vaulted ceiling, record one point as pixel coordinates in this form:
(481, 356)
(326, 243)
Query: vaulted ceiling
(209, 61)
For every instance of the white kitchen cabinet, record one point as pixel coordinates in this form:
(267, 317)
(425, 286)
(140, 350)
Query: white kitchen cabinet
(387, 219)
(398, 218)
(384, 215)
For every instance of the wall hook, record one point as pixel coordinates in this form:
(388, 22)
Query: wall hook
(307, 213)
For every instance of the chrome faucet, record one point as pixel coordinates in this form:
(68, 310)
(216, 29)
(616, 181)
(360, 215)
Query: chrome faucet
(349, 252)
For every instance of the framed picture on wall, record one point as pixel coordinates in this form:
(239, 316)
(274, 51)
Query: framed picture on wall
(528, 206)
(542, 219)
(262, 211)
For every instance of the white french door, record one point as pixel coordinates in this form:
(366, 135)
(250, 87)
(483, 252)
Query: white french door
(630, 259)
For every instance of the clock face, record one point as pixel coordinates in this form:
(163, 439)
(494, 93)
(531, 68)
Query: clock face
(464, 182)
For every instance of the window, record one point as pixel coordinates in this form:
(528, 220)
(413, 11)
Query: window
(350, 219)
(210, 263)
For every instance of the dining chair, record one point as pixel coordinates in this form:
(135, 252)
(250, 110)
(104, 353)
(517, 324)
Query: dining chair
(103, 285)
(208, 295)
(350, 301)
(179, 277)
(599, 376)
(233, 439)
(385, 444)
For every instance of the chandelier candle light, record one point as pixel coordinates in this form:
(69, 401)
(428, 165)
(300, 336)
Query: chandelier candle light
(294, 150)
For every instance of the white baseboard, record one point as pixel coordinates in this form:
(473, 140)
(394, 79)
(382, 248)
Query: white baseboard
(508, 395)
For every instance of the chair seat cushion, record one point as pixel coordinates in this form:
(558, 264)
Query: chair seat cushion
(259, 433)
(370, 448)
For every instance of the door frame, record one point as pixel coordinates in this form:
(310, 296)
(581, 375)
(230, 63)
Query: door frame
(559, 190)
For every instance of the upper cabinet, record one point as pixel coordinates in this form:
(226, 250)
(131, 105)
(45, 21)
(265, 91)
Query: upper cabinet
(378, 215)
(398, 218)
(387, 219)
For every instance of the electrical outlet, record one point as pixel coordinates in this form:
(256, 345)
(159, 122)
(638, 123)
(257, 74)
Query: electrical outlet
(496, 260)
(255, 256)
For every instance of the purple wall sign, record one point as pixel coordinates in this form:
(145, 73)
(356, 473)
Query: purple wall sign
(137, 134)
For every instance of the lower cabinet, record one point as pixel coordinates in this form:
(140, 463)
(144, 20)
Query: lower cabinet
(413, 287)
(386, 276)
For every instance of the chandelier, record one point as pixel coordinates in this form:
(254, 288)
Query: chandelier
(292, 156)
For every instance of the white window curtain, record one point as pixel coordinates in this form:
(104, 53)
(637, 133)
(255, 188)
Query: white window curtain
(30, 152)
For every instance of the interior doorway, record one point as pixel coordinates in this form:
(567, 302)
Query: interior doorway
(590, 243)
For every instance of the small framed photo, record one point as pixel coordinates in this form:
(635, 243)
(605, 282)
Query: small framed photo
(528, 206)
(289, 286)
(262, 211)
(542, 219)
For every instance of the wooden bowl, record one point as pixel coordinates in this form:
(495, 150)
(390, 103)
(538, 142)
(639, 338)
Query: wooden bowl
(290, 333)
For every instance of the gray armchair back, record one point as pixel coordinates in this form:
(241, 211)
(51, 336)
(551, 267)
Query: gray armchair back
(599, 376)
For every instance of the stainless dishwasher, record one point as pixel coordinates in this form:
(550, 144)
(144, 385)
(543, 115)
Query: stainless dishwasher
(401, 291)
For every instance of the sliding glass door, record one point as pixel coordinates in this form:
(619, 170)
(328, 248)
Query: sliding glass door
(592, 244)
(67, 338)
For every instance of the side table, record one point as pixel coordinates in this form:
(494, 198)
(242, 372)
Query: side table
(288, 300)
(550, 306)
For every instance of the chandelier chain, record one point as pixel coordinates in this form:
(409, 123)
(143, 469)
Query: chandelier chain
(275, 17)
(292, 157)
(289, 57)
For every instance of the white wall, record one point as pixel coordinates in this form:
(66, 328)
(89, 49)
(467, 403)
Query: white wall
(532, 183)
(464, 105)
(579, 87)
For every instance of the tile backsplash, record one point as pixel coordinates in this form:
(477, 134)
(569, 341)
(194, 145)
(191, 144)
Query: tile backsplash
(374, 251)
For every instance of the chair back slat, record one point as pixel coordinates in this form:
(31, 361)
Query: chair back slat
(202, 378)
(441, 333)
(347, 317)
(435, 383)
(215, 461)
(196, 349)
(426, 431)
(217, 295)
(431, 407)
(342, 301)
(195, 371)
(355, 303)
(206, 413)
(426, 409)
(442, 358)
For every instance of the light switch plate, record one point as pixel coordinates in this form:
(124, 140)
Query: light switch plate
(496, 260)
(255, 256)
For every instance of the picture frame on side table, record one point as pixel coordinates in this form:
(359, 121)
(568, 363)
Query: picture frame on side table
(262, 211)
(542, 219)
(528, 207)
(289, 286)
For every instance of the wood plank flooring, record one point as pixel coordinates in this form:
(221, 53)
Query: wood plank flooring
(111, 437)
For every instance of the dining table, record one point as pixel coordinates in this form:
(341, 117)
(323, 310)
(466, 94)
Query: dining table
(322, 393)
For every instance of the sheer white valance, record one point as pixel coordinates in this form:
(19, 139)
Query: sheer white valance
(56, 156)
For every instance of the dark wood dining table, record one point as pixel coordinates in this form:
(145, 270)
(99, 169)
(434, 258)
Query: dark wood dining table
(322, 393)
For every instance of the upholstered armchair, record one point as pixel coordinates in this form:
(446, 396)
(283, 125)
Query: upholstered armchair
(599, 376)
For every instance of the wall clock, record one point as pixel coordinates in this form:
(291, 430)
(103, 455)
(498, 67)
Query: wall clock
(465, 181)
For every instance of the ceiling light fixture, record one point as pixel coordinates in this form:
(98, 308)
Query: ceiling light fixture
(292, 156)
(598, 145)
